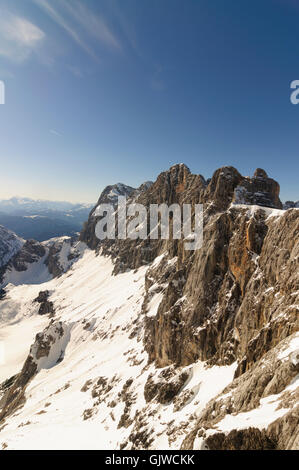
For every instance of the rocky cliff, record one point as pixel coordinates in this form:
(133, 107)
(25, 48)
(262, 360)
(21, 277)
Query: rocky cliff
(171, 348)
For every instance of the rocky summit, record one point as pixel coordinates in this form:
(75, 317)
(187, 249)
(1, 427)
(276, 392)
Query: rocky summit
(141, 344)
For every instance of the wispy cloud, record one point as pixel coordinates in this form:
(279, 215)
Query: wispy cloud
(156, 72)
(54, 132)
(127, 27)
(80, 24)
(58, 18)
(18, 37)
(93, 24)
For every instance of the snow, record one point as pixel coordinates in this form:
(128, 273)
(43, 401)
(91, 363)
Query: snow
(153, 304)
(31, 205)
(292, 349)
(16, 339)
(259, 417)
(252, 208)
(98, 312)
(36, 273)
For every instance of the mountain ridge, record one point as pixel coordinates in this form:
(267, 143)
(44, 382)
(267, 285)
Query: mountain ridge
(159, 347)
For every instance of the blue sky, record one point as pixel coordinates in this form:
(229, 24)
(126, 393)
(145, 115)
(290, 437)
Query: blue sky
(102, 91)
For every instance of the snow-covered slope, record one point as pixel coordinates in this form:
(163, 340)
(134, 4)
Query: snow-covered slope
(93, 389)
(80, 401)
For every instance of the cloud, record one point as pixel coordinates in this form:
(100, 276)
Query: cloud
(18, 37)
(80, 23)
(58, 18)
(54, 132)
(127, 27)
(93, 24)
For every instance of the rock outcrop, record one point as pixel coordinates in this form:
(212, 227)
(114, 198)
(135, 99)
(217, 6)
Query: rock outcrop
(46, 306)
(272, 379)
(30, 253)
(259, 190)
(10, 245)
(46, 351)
(23, 255)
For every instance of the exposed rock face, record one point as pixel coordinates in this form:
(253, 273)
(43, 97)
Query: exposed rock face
(235, 299)
(108, 196)
(30, 253)
(259, 190)
(178, 186)
(274, 376)
(248, 263)
(243, 439)
(63, 252)
(291, 205)
(46, 306)
(27, 253)
(45, 352)
(165, 386)
(10, 244)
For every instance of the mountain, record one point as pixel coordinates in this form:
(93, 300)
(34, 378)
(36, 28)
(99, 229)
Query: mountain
(23, 206)
(141, 344)
(10, 244)
(42, 220)
(291, 205)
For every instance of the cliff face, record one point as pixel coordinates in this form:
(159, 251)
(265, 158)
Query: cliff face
(224, 302)
(232, 300)
(237, 297)
(179, 186)
(210, 334)
(10, 244)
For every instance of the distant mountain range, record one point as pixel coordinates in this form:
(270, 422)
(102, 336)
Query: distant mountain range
(41, 219)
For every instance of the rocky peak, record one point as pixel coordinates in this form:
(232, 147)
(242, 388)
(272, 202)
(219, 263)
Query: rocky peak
(108, 196)
(168, 186)
(221, 187)
(291, 205)
(259, 190)
(260, 173)
(112, 192)
(179, 185)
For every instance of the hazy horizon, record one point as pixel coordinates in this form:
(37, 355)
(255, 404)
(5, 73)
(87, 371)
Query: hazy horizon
(75, 201)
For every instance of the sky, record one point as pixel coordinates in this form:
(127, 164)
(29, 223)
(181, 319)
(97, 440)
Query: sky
(105, 91)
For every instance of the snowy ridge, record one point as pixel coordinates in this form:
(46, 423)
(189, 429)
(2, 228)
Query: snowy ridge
(30, 205)
(10, 244)
(35, 273)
